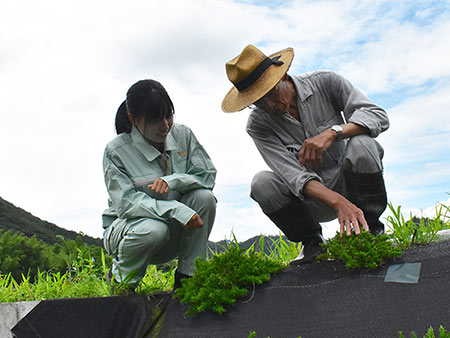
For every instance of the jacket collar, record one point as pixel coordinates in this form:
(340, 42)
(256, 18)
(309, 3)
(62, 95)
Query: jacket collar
(303, 88)
(149, 151)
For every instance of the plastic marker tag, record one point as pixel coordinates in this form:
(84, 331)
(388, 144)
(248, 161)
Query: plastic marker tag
(403, 273)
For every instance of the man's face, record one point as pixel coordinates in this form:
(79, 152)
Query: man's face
(277, 100)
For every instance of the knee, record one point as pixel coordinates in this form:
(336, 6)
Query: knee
(149, 232)
(363, 154)
(200, 199)
(259, 186)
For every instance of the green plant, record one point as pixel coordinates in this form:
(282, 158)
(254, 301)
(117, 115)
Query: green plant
(364, 250)
(430, 333)
(224, 278)
(281, 250)
(406, 233)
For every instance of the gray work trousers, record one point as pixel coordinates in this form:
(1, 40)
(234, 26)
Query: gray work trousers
(136, 243)
(362, 155)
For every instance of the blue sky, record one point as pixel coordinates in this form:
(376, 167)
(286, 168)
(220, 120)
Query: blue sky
(65, 68)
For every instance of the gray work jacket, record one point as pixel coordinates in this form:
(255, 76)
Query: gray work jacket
(321, 97)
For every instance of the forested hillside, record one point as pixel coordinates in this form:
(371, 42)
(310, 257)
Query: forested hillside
(18, 220)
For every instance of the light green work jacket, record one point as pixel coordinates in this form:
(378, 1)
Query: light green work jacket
(130, 164)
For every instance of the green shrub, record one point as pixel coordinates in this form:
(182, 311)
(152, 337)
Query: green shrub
(364, 250)
(225, 278)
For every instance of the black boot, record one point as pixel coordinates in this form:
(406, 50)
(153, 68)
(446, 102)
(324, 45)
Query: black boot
(297, 223)
(367, 192)
(177, 279)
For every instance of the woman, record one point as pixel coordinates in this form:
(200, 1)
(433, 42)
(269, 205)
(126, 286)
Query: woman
(159, 180)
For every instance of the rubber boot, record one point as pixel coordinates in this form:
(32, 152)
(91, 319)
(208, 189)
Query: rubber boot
(297, 223)
(368, 192)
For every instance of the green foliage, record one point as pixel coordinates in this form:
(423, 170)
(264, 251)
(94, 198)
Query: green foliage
(80, 280)
(430, 333)
(364, 250)
(224, 278)
(280, 249)
(406, 233)
(21, 255)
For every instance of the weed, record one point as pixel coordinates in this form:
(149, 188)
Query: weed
(417, 231)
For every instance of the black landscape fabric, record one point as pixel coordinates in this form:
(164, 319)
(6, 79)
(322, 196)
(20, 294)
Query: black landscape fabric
(319, 300)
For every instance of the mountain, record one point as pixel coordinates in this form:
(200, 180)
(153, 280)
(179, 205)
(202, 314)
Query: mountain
(18, 220)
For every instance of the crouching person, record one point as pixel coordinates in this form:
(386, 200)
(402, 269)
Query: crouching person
(159, 180)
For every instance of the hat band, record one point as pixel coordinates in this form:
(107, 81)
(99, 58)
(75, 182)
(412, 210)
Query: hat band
(257, 72)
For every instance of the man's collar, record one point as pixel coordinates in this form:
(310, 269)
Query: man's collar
(303, 88)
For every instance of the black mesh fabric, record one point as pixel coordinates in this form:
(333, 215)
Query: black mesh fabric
(319, 300)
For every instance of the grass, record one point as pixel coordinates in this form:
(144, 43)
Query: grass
(85, 279)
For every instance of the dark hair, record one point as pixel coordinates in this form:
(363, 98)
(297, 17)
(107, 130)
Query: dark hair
(123, 124)
(146, 99)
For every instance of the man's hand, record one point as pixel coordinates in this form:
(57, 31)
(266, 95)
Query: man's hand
(159, 186)
(350, 216)
(312, 149)
(194, 222)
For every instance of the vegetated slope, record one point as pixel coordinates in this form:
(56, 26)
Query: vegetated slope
(18, 220)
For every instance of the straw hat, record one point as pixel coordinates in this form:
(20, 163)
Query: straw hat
(253, 76)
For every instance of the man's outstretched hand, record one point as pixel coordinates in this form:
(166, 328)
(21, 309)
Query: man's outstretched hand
(350, 217)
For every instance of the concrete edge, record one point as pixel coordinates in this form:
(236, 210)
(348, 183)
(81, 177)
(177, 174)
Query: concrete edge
(11, 314)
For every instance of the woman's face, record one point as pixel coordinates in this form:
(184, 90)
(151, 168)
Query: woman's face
(155, 131)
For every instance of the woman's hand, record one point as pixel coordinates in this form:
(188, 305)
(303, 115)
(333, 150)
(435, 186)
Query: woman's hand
(194, 222)
(160, 186)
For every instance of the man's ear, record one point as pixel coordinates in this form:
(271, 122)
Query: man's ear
(131, 118)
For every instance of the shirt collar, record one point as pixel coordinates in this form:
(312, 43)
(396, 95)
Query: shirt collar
(303, 88)
(149, 151)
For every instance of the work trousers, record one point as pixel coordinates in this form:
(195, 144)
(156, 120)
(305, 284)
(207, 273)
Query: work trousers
(362, 155)
(136, 243)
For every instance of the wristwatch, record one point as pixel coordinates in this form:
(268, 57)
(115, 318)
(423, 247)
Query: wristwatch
(338, 130)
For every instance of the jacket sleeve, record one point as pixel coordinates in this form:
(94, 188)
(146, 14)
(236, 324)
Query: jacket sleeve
(278, 158)
(200, 171)
(357, 108)
(129, 203)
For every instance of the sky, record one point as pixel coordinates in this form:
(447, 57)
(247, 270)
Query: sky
(65, 67)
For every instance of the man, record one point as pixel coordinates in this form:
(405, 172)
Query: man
(316, 132)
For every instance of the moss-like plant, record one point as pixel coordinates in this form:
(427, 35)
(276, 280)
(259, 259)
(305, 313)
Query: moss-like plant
(364, 250)
(221, 280)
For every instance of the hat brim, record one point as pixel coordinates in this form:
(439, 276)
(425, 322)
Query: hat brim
(236, 100)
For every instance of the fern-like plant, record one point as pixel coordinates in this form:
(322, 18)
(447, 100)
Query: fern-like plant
(364, 250)
(221, 280)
